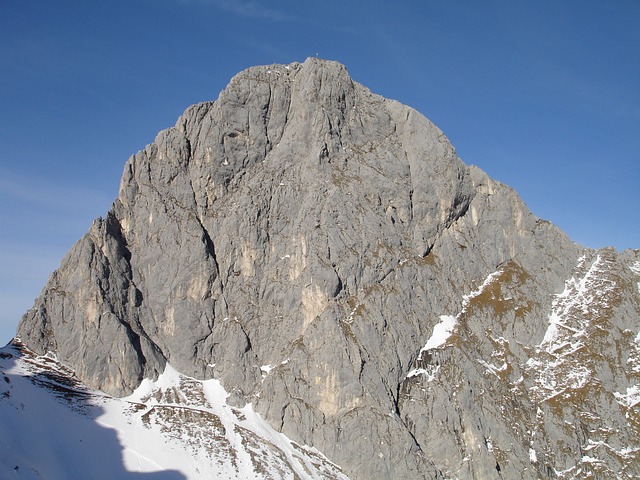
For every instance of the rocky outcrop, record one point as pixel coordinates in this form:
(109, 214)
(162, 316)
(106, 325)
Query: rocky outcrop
(324, 253)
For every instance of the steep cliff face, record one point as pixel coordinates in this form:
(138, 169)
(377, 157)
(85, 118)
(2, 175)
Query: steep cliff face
(323, 252)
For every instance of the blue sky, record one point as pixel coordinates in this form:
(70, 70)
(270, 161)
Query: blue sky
(542, 95)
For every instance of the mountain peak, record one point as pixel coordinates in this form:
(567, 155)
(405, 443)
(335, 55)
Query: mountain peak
(324, 254)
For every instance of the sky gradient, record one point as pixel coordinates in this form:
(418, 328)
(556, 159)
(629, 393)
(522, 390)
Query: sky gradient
(544, 96)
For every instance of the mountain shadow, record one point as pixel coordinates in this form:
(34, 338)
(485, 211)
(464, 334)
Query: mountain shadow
(50, 427)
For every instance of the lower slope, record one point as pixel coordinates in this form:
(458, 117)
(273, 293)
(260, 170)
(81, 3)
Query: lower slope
(176, 428)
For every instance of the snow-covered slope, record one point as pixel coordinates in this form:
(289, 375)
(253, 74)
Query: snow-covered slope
(54, 427)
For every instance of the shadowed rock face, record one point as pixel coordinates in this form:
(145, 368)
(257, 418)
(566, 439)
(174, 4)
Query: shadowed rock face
(300, 238)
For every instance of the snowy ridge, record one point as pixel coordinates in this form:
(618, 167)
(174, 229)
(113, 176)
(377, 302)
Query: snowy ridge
(570, 309)
(631, 398)
(566, 364)
(445, 328)
(466, 299)
(557, 364)
(174, 428)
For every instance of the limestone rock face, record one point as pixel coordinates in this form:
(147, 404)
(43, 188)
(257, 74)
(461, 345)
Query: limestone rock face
(324, 253)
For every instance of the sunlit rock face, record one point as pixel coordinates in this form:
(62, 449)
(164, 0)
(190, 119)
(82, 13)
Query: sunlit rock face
(324, 253)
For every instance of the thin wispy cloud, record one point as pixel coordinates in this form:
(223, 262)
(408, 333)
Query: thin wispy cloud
(38, 193)
(247, 9)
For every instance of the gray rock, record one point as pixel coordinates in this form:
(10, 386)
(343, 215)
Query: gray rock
(300, 238)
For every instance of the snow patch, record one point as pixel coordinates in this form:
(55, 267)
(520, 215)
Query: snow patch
(430, 372)
(631, 398)
(441, 333)
(492, 368)
(466, 299)
(349, 318)
(170, 378)
(489, 444)
(628, 452)
(588, 459)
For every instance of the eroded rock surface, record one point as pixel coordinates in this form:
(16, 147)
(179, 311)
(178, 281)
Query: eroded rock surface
(301, 239)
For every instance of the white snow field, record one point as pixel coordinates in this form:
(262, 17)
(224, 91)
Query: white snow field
(176, 428)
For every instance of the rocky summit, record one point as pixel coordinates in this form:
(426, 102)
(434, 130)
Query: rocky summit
(324, 254)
